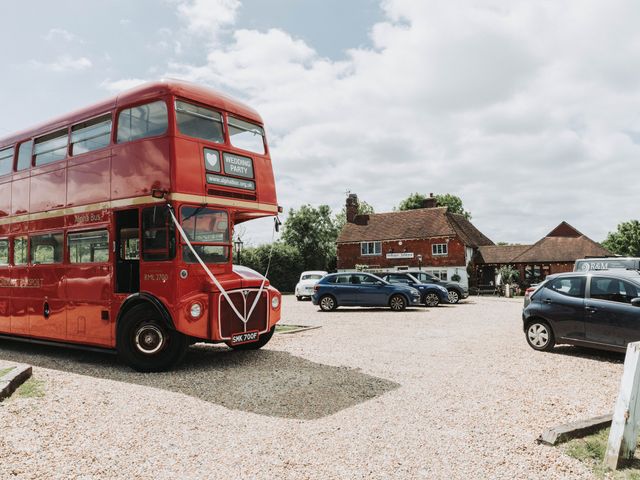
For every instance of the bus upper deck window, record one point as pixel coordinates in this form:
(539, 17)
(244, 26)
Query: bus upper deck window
(245, 135)
(6, 160)
(143, 121)
(25, 151)
(199, 122)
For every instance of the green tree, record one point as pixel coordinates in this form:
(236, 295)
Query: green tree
(285, 268)
(412, 202)
(625, 240)
(313, 232)
(341, 218)
(452, 202)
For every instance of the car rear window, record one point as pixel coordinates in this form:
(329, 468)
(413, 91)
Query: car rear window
(568, 286)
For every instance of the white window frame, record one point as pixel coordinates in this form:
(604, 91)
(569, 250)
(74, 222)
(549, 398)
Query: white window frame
(370, 249)
(443, 247)
(441, 273)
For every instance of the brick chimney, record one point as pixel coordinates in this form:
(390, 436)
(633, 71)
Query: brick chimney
(430, 202)
(352, 207)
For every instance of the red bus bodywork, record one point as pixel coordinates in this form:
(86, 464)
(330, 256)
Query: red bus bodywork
(108, 188)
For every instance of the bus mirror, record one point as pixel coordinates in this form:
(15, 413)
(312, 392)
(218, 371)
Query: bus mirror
(277, 223)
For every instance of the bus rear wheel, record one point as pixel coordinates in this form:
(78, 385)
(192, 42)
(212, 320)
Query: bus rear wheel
(262, 341)
(146, 344)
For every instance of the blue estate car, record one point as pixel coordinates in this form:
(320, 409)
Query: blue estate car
(364, 290)
(599, 309)
(431, 294)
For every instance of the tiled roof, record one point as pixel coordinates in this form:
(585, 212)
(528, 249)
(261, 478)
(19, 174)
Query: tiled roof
(501, 253)
(417, 223)
(562, 249)
(563, 244)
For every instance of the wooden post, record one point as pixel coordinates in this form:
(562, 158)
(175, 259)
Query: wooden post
(623, 437)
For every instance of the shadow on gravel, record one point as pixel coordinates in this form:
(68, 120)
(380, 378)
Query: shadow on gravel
(589, 353)
(266, 382)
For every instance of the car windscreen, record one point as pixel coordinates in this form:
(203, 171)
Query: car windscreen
(311, 277)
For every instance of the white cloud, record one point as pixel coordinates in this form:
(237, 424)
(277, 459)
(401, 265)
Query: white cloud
(64, 63)
(528, 111)
(56, 34)
(208, 17)
(117, 86)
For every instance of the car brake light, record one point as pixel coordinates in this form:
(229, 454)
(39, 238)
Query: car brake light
(529, 291)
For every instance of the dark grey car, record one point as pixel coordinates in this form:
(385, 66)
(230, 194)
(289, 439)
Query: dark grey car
(595, 309)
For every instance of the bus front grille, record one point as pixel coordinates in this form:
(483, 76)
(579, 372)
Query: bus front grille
(243, 300)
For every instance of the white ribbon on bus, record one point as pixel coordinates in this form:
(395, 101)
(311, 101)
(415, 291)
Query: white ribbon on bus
(213, 278)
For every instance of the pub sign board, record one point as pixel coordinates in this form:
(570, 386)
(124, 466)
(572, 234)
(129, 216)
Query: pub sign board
(400, 255)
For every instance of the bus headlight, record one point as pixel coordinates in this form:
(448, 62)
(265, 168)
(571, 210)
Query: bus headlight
(195, 310)
(275, 302)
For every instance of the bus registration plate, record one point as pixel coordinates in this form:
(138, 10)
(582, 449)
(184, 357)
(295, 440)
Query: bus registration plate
(245, 337)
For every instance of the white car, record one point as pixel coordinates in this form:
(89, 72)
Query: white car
(304, 288)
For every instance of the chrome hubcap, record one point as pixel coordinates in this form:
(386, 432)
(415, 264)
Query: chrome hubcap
(327, 303)
(538, 335)
(397, 303)
(149, 339)
(453, 297)
(431, 300)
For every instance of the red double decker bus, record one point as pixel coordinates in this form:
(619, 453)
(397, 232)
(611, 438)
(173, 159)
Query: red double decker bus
(116, 226)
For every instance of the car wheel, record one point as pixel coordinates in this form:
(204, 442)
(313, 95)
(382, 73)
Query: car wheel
(454, 296)
(397, 303)
(540, 336)
(328, 303)
(146, 344)
(431, 300)
(262, 341)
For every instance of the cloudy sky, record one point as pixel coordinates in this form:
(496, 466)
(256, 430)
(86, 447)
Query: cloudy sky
(529, 111)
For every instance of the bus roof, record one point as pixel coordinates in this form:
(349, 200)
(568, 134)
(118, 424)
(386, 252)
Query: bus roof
(188, 90)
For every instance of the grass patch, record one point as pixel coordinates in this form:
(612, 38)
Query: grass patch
(4, 371)
(294, 328)
(591, 450)
(32, 388)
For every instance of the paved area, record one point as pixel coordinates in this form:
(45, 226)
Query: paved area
(448, 392)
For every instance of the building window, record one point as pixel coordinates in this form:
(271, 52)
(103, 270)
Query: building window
(441, 274)
(439, 249)
(371, 248)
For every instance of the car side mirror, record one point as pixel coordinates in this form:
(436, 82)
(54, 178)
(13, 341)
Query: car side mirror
(635, 302)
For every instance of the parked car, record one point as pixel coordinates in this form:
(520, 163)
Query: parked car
(456, 290)
(431, 294)
(362, 289)
(304, 287)
(606, 263)
(598, 309)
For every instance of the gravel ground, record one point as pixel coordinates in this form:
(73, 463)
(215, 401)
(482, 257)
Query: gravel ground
(448, 392)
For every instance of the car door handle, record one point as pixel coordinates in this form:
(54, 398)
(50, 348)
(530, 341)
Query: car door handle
(547, 301)
(591, 309)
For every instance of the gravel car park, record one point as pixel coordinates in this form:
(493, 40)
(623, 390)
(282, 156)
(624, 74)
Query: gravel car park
(447, 392)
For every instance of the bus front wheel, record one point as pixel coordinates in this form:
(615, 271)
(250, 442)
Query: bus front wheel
(146, 344)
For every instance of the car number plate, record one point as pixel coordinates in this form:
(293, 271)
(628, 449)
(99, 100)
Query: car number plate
(245, 337)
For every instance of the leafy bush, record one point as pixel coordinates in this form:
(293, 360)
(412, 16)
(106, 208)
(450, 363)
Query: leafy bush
(286, 264)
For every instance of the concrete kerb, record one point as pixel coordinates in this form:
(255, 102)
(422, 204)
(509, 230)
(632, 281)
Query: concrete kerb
(569, 431)
(15, 377)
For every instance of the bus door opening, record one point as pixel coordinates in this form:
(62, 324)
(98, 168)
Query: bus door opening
(127, 251)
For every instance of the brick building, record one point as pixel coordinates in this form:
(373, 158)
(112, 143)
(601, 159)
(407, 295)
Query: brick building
(430, 238)
(554, 253)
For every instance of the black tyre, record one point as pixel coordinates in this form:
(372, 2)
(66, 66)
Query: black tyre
(397, 303)
(540, 335)
(262, 341)
(327, 303)
(454, 296)
(146, 344)
(431, 299)
(299, 298)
